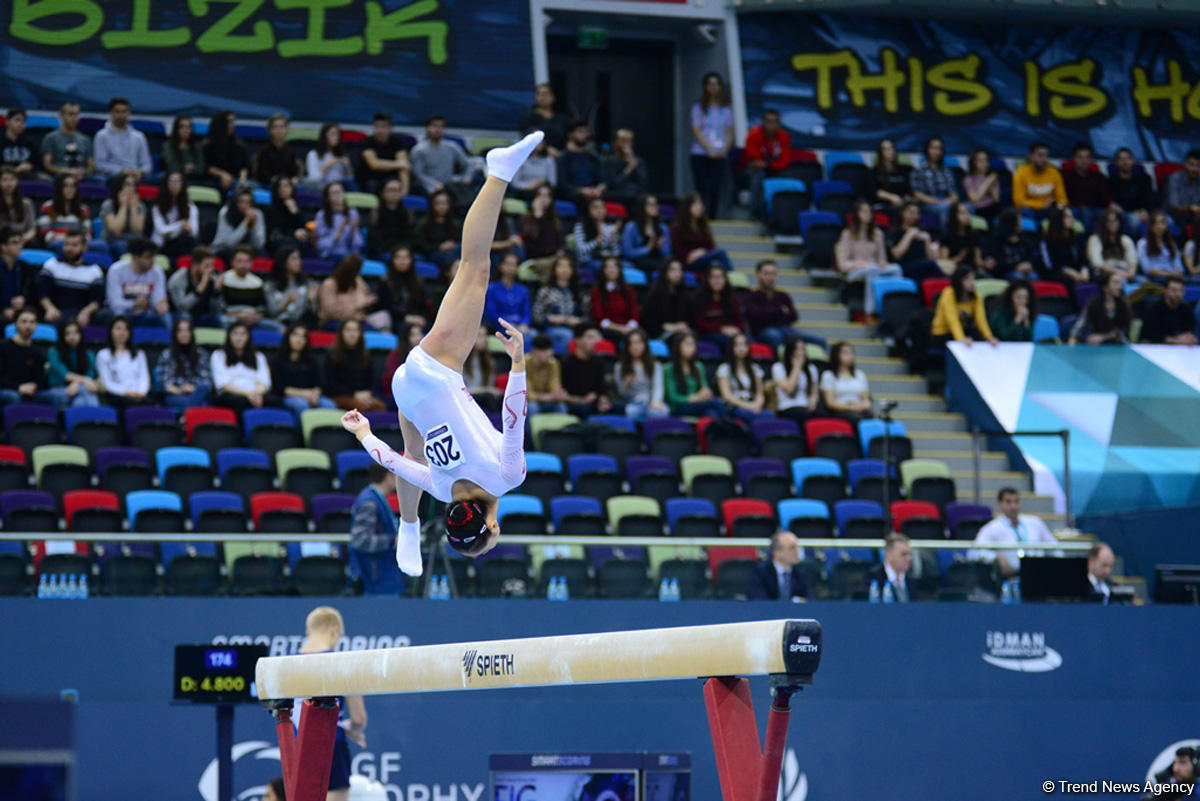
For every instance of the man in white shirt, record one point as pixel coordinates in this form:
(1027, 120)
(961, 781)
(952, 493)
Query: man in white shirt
(1010, 526)
(1100, 565)
(895, 572)
(120, 148)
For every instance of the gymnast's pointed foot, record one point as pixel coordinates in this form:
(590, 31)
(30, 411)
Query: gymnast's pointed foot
(408, 548)
(503, 162)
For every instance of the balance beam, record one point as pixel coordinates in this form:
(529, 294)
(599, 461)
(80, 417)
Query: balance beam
(782, 647)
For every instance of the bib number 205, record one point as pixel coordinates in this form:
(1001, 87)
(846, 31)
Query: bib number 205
(442, 452)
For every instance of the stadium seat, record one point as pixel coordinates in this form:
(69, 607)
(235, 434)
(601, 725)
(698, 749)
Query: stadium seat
(895, 314)
(857, 519)
(692, 517)
(931, 288)
(154, 511)
(92, 511)
(730, 442)
(778, 439)
(319, 575)
(130, 575)
(152, 427)
(670, 437)
(691, 575)
(831, 438)
(123, 470)
(575, 571)
(193, 574)
(767, 479)
(212, 428)
(623, 578)
(772, 186)
(58, 469)
(928, 479)
(965, 519)
(819, 479)
(29, 425)
(494, 576)
(543, 476)
(184, 470)
(271, 430)
(732, 576)
(804, 517)
(13, 472)
(910, 510)
(322, 430)
(217, 513)
(1045, 328)
(245, 471)
(634, 516)
(304, 471)
(871, 429)
(549, 421)
(708, 477)
(93, 427)
(521, 514)
(65, 564)
(595, 475)
(13, 581)
(748, 517)
(848, 579)
(577, 515)
(653, 476)
(352, 470)
(331, 511)
(278, 513)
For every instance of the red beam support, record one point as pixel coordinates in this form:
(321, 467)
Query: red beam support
(307, 757)
(747, 772)
(775, 745)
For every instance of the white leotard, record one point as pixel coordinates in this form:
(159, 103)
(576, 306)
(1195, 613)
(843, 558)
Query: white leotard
(460, 441)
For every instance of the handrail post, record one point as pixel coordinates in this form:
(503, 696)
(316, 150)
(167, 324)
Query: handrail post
(1066, 438)
(976, 459)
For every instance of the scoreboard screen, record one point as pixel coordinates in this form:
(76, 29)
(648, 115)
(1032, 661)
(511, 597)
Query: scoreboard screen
(216, 674)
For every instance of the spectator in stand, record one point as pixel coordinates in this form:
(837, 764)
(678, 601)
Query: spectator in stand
(66, 287)
(1037, 184)
(1017, 257)
(1087, 191)
(544, 117)
(860, 253)
(18, 279)
(291, 295)
(712, 137)
(584, 375)
(667, 308)
(1013, 317)
(71, 368)
(933, 183)
(16, 210)
(275, 158)
(136, 288)
(64, 213)
(717, 315)
(182, 152)
(770, 313)
(120, 148)
(540, 168)
(402, 293)
(795, 379)
(1131, 190)
(224, 153)
(625, 174)
(195, 290)
(240, 224)
(614, 303)
(740, 381)
(286, 225)
(328, 162)
(16, 146)
(580, 174)
(1063, 249)
(508, 299)
(243, 297)
(639, 379)
(124, 215)
(959, 314)
(778, 578)
(692, 239)
(23, 367)
(1191, 256)
(344, 295)
(183, 373)
(479, 375)
(908, 244)
(123, 373)
(1169, 320)
(844, 388)
(1110, 249)
(504, 242)
(596, 239)
(384, 156)
(407, 338)
(338, 226)
(887, 184)
(960, 245)
(440, 164)
(439, 237)
(645, 240)
(240, 373)
(543, 375)
(1010, 526)
(767, 154)
(559, 306)
(686, 381)
(175, 219)
(391, 224)
(1106, 318)
(895, 572)
(1157, 252)
(982, 185)
(1182, 193)
(541, 230)
(348, 378)
(66, 151)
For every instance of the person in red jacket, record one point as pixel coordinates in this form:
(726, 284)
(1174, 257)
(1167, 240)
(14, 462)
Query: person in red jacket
(718, 317)
(767, 154)
(614, 304)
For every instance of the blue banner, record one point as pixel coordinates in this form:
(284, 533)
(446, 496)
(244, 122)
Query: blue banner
(911, 702)
(844, 82)
(312, 59)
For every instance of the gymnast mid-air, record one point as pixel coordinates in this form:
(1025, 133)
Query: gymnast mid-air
(451, 449)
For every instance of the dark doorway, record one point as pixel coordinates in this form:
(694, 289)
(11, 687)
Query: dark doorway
(627, 85)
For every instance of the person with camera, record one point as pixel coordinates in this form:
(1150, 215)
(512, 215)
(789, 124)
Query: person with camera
(1182, 773)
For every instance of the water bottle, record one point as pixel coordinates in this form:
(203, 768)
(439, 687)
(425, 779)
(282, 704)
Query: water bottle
(72, 587)
(1016, 591)
(674, 589)
(444, 588)
(1006, 593)
(552, 589)
(664, 590)
(83, 587)
(56, 586)
(889, 595)
(873, 595)
(564, 591)
(44, 586)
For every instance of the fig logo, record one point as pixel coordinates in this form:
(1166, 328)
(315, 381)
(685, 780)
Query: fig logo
(260, 749)
(1021, 651)
(793, 784)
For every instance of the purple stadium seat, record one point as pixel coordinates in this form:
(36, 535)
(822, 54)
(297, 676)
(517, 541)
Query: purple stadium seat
(107, 457)
(752, 466)
(24, 499)
(327, 502)
(599, 554)
(318, 267)
(21, 412)
(707, 350)
(652, 427)
(138, 415)
(765, 428)
(637, 465)
(958, 512)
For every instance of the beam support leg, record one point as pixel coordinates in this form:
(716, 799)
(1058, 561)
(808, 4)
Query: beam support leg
(735, 736)
(307, 757)
(775, 744)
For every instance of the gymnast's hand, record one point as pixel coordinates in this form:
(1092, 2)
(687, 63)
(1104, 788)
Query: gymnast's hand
(514, 341)
(356, 424)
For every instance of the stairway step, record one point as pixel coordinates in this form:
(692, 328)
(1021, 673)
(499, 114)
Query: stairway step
(991, 482)
(743, 243)
(868, 348)
(874, 365)
(888, 386)
(909, 402)
(963, 462)
(821, 312)
(931, 421)
(834, 332)
(722, 228)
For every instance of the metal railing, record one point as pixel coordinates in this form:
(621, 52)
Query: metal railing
(1064, 434)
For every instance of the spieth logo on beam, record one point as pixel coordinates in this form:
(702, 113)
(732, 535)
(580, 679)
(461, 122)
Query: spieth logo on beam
(476, 665)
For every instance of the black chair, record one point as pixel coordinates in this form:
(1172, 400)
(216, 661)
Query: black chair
(967, 577)
(225, 521)
(97, 520)
(842, 448)
(811, 527)
(840, 203)
(248, 480)
(854, 174)
(827, 489)
(13, 579)
(846, 579)
(785, 211)
(495, 575)
(563, 442)
(897, 307)
(619, 444)
(807, 171)
(34, 519)
(582, 525)
(274, 438)
(784, 447)
(814, 576)
(256, 575)
(166, 521)
(968, 529)
(599, 485)
(332, 440)
(132, 575)
(66, 564)
(733, 578)
(938, 490)
(92, 435)
(715, 487)
(575, 571)
(640, 526)
(319, 575)
(623, 578)
(122, 479)
(28, 434)
(870, 488)
(60, 478)
(1056, 306)
(524, 523)
(308, 481)
(659, 486)
(213, 437)
(194, 575)
(543, 484)
(674, 444)
(460, 568)
(283, 521)
(865, 528)
(696, 526)
(184, 479)
(899, 449)
(151, 437)
(13, 476)
(334, 522)
(753, 526)
(731, 444)
(768, 487)
(923, 528)
(692, 575)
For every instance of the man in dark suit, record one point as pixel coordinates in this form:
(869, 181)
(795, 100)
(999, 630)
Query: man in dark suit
(779, 572)
(897, 561)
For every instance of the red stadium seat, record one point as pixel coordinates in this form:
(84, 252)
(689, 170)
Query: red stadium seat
(1045, 289)
(804, 155)
(718, 555)
(823, 427)
(760, 350)
(262, 265)
(932, 287)
(615, 210)
(603, 348)
(87, 499)
(185, 261)
(734, 509)
(147, 191)
(1069, 165)
(1165, 169)
(906, 510)
(321, 339)
(12, 453)
(206, 415)
(262, 502)
(351, 136)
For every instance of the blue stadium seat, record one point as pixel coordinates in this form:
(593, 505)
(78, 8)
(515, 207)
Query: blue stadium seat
(380, 340)
(201, 502)
(811, 218)
(688, 507)
(613, 421)
(565, 505)
(142, 500)
(872, 428)
(355, 460)
(884, 285)
(252, 418)
(43, 332)
(1045, 328)
(86, 414)
(373, 268)
(166, 458)
(836, 157)
(845, 511)
(822, 188)
(793, 508)
(580, 463)
(236, 457)
(813, 466)
(536, 461)
(518, 504)
(771, 186)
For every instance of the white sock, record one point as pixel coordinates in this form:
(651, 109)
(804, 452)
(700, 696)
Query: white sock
(408, 548)
(503, 162)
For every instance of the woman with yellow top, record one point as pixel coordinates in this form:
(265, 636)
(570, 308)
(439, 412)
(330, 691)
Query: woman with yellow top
(960, 315)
